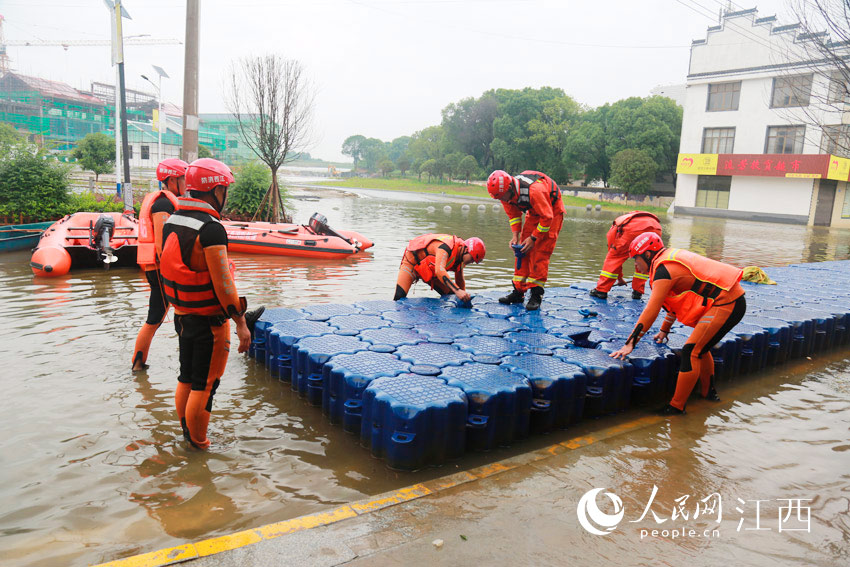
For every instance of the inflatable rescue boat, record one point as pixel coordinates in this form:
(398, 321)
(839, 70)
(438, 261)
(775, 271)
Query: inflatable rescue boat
(86, 240)
(313, 240)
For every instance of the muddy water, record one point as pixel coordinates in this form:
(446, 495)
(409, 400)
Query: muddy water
(92, 460)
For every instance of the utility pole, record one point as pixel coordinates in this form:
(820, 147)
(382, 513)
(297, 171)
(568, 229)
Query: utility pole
(121, 107)
(190, 82)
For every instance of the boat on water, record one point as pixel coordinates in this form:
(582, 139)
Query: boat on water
(16, 237)
(313, 240)
(86, 240)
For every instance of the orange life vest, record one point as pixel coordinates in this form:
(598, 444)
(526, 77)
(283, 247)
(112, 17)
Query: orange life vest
(711, 278)
(184, 288)
(146, 251)
(526, 180)
(623, 220)
(425, 264)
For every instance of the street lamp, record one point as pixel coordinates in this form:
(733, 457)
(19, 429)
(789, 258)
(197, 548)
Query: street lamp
(161, 73)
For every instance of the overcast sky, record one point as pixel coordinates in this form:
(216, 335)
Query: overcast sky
(385, 68)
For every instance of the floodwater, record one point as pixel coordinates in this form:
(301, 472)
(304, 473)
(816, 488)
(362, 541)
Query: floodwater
(94, 466)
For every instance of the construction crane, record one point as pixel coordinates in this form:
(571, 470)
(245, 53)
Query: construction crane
(137, 40)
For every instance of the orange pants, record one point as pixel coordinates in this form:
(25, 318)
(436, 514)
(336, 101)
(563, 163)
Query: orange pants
(697, 362)
(204, 346)
(535, 264)
(407, 276)
(157, 308)
(618, 253)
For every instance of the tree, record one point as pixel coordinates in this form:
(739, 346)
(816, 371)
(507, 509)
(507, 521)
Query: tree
(467, 167)
(825, 25)
(272, 101)
(10, 141)
(204, 152)
(653, 125)
(469, 126)
(374, 152)
(430, 167)
(586, 146)
(96, 153)
(252, 183)
(386, 167)
(403, 164)
(353, 148)
(32, 186)
(633, 171)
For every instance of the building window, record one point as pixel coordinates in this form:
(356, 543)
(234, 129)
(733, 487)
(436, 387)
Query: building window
(723, 96)
(713, 191)
(130, 151)
(718, 140)
(785, 139)
(836, 140)
(791, 91)
(232, 129)
(146, 152)
(232, 144)
(839, 90)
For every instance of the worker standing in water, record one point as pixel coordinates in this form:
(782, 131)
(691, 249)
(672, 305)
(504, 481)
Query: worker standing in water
(698, 292)
(431, 257)
(156, 208)
(538, 197)
(198, 281)
(623, 231)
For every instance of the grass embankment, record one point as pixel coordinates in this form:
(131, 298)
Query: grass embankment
(413, 185)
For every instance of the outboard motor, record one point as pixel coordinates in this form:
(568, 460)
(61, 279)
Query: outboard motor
(103, 230)
(319, 224)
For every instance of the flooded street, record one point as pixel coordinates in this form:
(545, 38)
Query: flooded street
(95, 468)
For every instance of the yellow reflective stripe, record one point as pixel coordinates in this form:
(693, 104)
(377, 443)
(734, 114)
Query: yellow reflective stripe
(516, 220)
(641, 276)
(608, 275)
(534, 281)
(542, 228)
(519, 278)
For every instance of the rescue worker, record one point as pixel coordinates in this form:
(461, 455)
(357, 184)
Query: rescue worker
(156, 208)
(197, 281)
(431, 257)
(623, 231)
(537, 196)
(698, 292)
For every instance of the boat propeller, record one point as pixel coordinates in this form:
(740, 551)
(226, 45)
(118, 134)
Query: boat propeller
(104, 228)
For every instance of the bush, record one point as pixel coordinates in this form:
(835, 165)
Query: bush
(93, 203)
(633, 171)
(33, 187)
(252, 181)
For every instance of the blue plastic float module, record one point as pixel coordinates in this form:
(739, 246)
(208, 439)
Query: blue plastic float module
(551, 366)
(413, 421)
(309, 356)
(499, 403)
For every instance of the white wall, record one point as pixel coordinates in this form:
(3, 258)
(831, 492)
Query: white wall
(775, 195)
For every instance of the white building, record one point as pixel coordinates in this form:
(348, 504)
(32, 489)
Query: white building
(752, 143)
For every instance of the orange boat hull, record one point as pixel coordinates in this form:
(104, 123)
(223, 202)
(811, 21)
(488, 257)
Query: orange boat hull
(281, 239)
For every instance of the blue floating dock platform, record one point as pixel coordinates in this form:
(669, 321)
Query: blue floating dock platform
(422, 380)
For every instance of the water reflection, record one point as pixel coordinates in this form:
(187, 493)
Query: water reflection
(82, 431)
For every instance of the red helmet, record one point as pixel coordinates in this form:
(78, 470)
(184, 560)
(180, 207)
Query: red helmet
(206, 174)
(171, 167)
(499, 183)
(476, 249)
(645, 242)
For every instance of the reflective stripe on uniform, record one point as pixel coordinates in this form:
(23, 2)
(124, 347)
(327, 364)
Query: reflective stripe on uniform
(515, 220)
(541, 228)
(525, 279)
(188, 222)
(608, 275)
(641, 276)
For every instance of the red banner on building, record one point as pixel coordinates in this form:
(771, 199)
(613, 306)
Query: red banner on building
(773, 165)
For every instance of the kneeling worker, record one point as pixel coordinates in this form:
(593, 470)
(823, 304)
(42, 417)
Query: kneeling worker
(197, 281)
(431, 256)
(698, 292)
